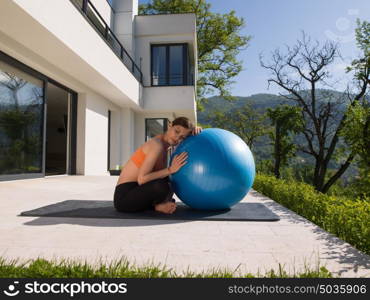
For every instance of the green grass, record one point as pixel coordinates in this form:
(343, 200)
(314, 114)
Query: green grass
(42, 268)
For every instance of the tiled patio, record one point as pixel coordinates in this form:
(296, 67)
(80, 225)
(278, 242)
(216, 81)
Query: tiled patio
(195, 245)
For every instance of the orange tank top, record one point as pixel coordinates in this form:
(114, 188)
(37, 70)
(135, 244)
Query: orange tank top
(138, 157)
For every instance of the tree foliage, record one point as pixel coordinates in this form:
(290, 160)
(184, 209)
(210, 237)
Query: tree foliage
(287, 121)
(300, 71)
(356, 132)
(218, 40)
(361, 65)
(356, 124)
(244, 122)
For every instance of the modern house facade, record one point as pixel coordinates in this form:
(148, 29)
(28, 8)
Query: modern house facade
(83, 83)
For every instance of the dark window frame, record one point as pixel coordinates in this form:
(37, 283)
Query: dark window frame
(185, 63)
(165, 125)
(109, 132)
(73, 119)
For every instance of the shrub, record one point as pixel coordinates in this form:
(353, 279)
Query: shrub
(349, 219)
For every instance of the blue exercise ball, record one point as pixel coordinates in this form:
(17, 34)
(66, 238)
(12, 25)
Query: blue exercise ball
(219, 172)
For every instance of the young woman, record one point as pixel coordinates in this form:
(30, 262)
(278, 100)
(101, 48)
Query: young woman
(143, 183)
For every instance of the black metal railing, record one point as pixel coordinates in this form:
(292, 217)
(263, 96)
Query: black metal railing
(92, 14)
(173, 79)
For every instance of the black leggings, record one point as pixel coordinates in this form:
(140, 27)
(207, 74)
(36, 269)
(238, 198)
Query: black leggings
(132, 197)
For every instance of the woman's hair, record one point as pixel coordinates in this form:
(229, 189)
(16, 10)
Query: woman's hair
(184, 122)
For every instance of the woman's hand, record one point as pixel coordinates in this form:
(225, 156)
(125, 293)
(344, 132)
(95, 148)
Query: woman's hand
(177, 162)
(196, 130)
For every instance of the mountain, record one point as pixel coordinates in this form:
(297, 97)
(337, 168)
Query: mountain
(262, 149)
(261, 102)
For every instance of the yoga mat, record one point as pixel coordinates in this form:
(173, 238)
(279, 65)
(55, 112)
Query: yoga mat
(105, 210)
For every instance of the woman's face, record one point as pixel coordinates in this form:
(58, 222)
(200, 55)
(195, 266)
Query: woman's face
(176, 134)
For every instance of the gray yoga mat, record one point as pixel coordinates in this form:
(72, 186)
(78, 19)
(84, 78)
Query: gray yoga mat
(105, 210)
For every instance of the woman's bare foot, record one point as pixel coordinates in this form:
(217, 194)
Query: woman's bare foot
(166, 207)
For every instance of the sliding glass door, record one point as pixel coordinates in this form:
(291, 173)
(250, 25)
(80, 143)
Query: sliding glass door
(21, 121)
(57, 129)
(38, 120)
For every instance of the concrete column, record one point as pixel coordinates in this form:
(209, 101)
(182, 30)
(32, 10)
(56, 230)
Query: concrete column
(115, 139)
(127, 133)
(123, 22)
(81, 127)
(96, 135)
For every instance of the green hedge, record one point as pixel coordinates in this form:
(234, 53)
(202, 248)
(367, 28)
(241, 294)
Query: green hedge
(349, 219)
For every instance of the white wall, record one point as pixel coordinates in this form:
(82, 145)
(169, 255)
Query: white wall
(127, 132)
(115, 138)
(96, 136)
(177, 99)
(92, 134)
(37, 34)
(171, 24)
(123, 23)
(140, 125)
(81, 126)
(104, 10)
(55, 39)
(163, 29)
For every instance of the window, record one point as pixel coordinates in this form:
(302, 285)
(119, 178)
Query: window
(21, 121)
(154, 127)
(169, 64)
(32, 139)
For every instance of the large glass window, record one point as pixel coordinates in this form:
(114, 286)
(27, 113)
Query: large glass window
(154, 127)
(176, 65)
(169, 64)
(21, 121)
(159, 73)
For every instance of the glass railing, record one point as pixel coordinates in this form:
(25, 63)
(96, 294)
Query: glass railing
(92, 14)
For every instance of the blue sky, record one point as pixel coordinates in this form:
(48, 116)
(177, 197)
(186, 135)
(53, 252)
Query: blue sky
(275, 23)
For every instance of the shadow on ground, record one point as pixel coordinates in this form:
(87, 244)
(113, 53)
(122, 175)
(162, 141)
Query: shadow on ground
(43, 221)
(336, 249)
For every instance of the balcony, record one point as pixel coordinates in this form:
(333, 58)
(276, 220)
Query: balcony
(173, 80)
(89, 11)
(169, 99)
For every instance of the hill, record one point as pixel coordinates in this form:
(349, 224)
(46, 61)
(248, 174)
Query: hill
(260, 102)
(262, 149)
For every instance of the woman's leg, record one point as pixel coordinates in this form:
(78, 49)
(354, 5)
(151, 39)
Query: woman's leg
(142, 197)
(120, 193)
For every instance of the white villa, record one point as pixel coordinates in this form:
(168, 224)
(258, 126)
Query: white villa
(83, 83)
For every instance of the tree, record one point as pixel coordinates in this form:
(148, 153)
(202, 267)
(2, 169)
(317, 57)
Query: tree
(361, 66)
(19, 144)
(356, 132)
(218, 39)
(287, 121)
(13, 84)
(299, 72)
(244, 122)
(356, 124)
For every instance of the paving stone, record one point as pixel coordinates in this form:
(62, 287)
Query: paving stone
(293, 242)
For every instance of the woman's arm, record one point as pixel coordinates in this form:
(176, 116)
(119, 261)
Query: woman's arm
(152, 156)
(145, 172)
